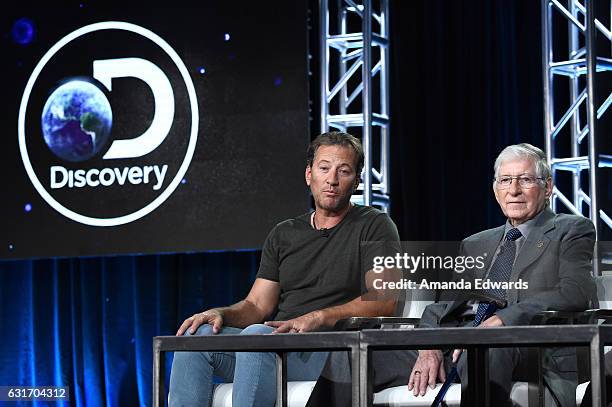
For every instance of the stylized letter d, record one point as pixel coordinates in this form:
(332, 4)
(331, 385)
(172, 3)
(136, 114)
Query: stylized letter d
(163, 97)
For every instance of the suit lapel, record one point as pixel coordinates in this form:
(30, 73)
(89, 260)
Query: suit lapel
(489, 246)
(535, 244)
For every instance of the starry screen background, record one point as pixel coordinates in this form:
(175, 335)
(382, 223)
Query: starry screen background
(249, 67)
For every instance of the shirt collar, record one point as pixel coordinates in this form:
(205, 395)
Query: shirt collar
(524, 227)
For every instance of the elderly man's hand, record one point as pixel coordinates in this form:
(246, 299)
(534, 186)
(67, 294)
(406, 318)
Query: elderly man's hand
(493, 321)
(213, 317)
(428, 367)
(306, 323)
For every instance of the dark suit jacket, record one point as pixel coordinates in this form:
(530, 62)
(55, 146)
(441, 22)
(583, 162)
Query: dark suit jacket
(554, 260)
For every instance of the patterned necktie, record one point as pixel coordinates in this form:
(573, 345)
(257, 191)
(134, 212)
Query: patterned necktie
(500, 271)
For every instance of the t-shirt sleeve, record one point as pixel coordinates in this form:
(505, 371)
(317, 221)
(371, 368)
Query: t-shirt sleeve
(381, 238)
(268, 267)
(383, 230)
(381, 241)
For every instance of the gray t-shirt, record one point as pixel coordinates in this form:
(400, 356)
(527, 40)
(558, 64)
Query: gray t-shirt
(317, 269)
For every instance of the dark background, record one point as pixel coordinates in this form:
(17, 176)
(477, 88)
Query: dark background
(253, 129)
(466, 82)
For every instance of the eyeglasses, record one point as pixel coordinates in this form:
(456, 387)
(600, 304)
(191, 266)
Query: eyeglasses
(525, 181)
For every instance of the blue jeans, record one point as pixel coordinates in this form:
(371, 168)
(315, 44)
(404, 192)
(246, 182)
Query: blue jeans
(253, 373)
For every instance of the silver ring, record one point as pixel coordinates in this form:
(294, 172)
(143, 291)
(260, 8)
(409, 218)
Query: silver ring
(417, 372)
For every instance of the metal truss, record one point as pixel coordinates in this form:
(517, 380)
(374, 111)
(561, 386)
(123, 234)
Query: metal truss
(581, 120)
(354, 94)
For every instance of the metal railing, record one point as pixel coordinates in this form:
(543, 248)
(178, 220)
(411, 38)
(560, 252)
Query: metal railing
(361, 344)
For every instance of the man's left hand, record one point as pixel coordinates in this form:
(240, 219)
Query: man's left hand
(306, 323)
(493, 321)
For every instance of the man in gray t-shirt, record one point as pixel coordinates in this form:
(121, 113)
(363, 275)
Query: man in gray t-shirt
(312, 274)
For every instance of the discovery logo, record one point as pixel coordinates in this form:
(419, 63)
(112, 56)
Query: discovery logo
(108, 124)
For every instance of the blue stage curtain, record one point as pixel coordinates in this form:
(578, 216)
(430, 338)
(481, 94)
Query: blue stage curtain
(466, 82)
(89, 323)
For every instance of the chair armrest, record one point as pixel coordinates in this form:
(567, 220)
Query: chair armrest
(558, 317)
(592, 315)
(359, 323)
(589, 316)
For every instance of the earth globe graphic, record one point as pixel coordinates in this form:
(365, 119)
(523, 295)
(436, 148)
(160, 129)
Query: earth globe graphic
(76, 121)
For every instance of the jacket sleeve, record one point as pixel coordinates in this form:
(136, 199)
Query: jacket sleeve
(432, 314)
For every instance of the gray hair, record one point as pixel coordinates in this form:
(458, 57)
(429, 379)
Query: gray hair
(525, 151)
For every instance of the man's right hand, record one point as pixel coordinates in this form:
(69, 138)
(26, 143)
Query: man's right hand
(212, 317)
(428, 367)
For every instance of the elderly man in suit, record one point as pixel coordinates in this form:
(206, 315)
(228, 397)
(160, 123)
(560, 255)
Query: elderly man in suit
(552, 253)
